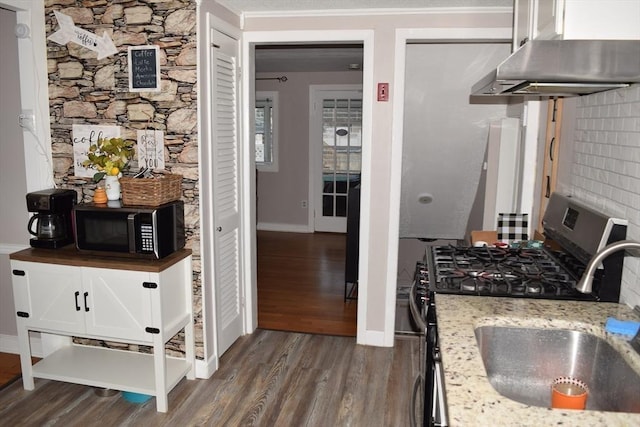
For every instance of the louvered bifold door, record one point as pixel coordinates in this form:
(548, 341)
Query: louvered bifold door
(226, 193)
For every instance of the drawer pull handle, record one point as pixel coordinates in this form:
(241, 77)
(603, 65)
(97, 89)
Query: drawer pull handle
(22, 314)
(149, 285)
(18, 272)
(152, 330)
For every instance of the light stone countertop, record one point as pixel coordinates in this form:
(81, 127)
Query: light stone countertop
(472, 401)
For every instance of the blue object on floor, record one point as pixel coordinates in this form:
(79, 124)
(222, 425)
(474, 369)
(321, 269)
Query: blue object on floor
(624, 327)
(135, 397)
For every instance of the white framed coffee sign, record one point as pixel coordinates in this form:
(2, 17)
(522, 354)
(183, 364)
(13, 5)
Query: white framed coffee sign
(83, 136)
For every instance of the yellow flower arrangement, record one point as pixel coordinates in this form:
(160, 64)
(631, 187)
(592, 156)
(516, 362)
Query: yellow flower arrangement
(109, 157)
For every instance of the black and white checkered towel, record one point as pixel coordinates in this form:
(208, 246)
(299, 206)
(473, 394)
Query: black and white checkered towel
(512, 227)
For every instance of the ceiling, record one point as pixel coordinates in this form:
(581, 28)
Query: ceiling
(302, 58)
(241, 6)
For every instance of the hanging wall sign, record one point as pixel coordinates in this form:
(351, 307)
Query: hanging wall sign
(68, 32)
(83, 136)
(151, 149)
(144, 69)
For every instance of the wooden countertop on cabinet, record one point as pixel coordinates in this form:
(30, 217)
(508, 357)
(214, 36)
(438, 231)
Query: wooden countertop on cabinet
(70, 255)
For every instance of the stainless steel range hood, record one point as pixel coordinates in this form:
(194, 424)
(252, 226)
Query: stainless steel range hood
(564, 68)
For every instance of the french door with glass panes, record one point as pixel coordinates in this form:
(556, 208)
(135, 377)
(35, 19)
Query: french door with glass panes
(339, 156)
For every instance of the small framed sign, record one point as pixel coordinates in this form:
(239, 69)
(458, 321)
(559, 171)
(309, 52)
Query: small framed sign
(151, 149)
(83, 137)
(144, 68)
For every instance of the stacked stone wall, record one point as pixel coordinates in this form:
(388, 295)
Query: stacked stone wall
(85, 90)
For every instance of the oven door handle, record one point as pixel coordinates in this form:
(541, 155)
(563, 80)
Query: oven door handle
(439, 394)
(415, 312)
(417, 391)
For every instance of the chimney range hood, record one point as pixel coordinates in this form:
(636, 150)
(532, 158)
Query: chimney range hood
(564, 68)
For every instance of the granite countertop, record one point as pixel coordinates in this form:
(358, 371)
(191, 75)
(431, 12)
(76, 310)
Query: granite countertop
(472, 401)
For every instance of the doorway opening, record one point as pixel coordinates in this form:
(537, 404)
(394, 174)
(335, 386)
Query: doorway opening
(300, 272)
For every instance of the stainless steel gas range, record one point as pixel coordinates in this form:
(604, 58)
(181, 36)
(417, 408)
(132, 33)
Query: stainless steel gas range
(574, 233)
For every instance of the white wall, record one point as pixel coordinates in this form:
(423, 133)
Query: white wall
(445, 136)
(600, 164)
(36, 172)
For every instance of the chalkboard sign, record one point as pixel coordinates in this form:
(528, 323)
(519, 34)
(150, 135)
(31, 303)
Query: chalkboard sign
(144, 69)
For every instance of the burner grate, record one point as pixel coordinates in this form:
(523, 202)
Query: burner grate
(501, 272)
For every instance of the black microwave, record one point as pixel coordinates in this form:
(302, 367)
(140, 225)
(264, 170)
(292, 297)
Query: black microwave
(132, 231)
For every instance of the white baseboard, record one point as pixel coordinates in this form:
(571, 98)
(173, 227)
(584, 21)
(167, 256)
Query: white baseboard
(204, 368)
(287, 228)
(9, 344)
(373, 338)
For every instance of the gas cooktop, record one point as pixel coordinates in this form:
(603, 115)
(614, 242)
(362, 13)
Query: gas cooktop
(492, 271)
(576, 233)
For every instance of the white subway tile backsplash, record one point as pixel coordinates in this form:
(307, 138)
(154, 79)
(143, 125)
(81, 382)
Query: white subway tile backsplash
(605, 170)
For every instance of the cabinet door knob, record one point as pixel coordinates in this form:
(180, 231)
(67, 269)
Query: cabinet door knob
(219, 228)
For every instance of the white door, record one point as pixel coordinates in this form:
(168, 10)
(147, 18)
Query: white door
(225, 191)
(337, 148)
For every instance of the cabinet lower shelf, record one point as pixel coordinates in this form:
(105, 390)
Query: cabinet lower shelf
(108, 368)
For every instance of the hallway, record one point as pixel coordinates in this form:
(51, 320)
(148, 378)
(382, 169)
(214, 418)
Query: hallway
(301, 284)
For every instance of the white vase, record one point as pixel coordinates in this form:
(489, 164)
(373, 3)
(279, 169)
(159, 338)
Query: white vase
(112, 187)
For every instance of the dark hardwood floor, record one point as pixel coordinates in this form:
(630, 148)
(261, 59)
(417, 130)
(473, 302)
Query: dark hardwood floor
(9, 368)
(301, 283)
(268, 378)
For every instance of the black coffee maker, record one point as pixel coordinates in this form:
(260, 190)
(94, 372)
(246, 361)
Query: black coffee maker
(53, 223)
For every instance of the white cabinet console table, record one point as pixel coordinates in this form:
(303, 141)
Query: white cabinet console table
(132, 301)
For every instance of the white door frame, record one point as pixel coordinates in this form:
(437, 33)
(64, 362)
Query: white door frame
(32, 54)
(315, 133)
(34, 96)
(250, 38)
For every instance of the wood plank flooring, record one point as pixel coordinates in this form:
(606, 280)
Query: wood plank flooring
(269, 378)
(301, 283)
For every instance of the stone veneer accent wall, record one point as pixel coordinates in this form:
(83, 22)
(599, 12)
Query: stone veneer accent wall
(84, 90)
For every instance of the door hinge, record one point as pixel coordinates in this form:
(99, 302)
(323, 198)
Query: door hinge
(18, 272)
(152, 330)
(22, 314)
(149, 285)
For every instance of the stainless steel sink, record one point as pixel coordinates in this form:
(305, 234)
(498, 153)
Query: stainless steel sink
(521, 363)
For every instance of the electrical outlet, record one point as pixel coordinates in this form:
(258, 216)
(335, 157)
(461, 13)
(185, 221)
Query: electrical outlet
(304, 204)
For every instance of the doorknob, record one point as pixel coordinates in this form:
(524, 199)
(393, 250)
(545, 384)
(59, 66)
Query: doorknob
(219, 229)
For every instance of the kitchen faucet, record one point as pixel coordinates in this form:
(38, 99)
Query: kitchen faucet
(584, 285)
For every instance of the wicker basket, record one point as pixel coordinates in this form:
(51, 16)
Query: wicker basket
(151, 191)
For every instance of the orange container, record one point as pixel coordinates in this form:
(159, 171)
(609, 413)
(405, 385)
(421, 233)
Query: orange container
(569, 393)
(99, 196)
